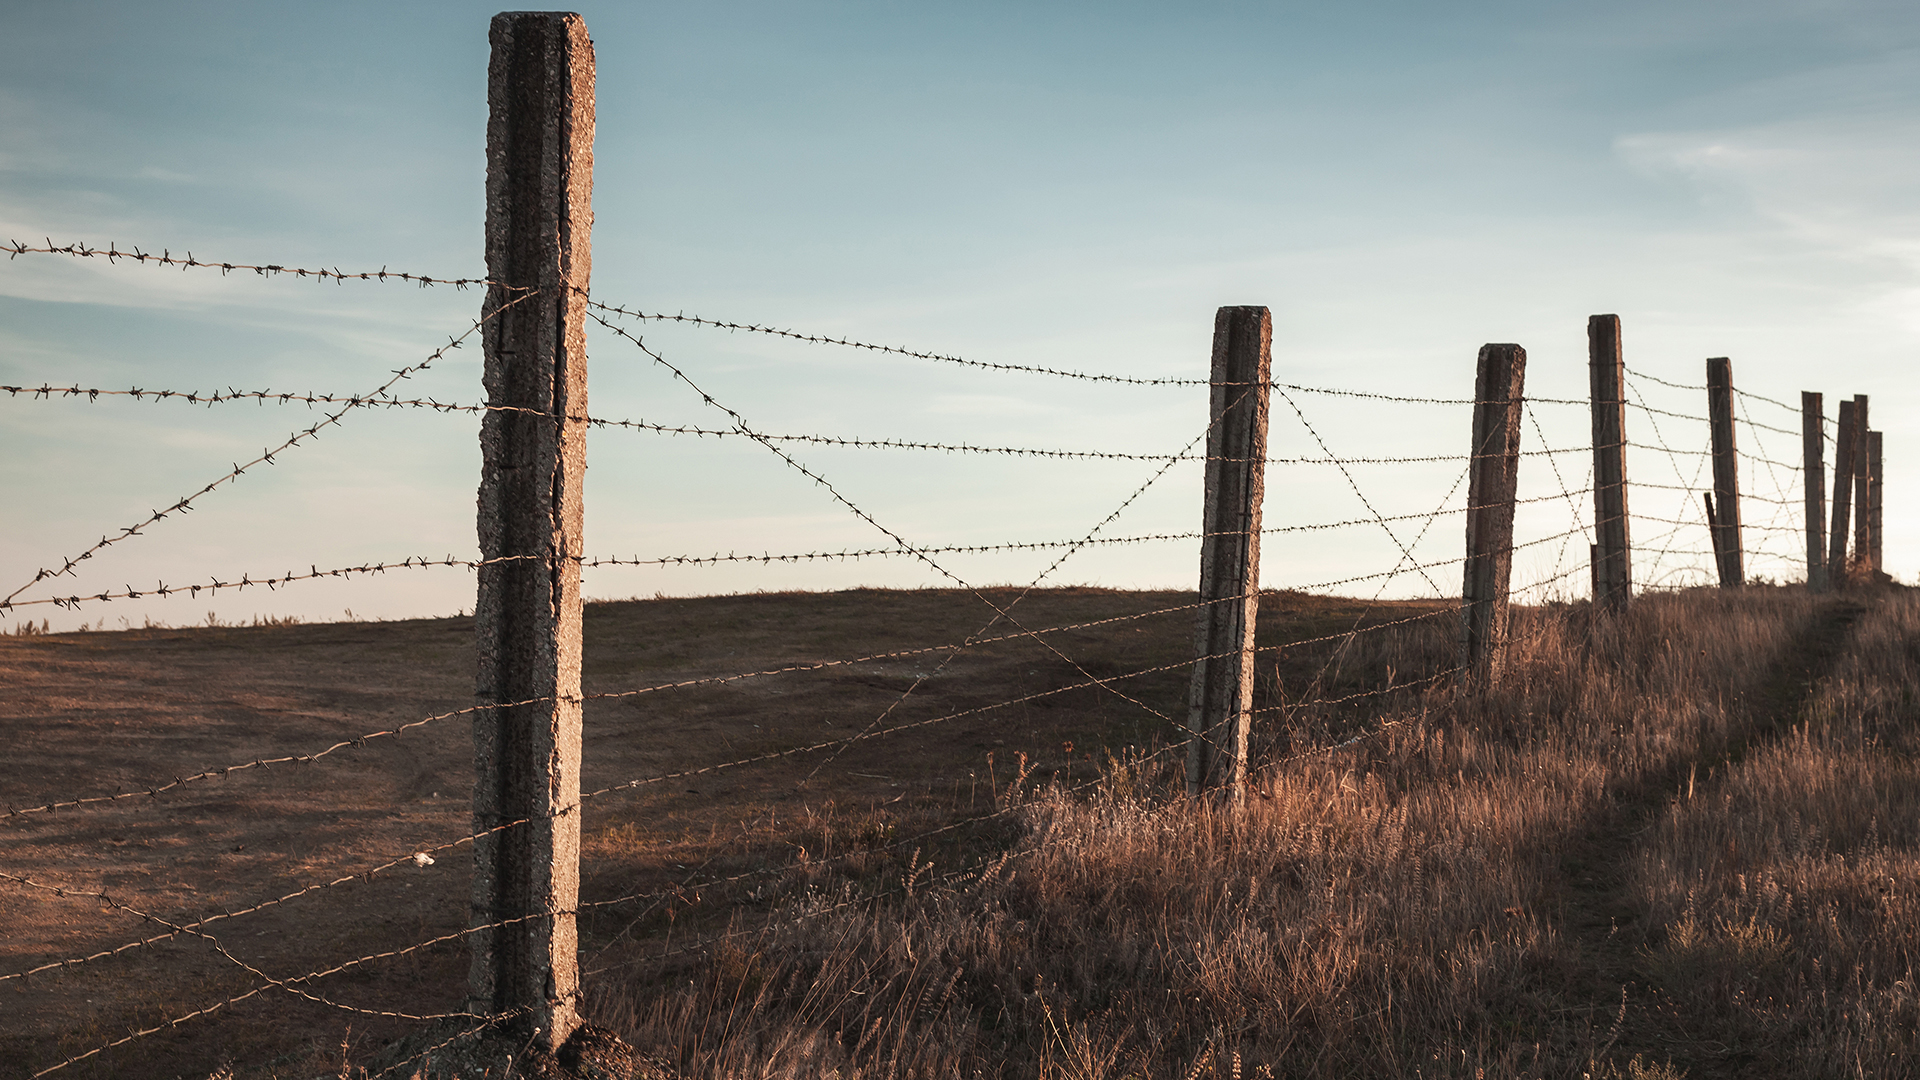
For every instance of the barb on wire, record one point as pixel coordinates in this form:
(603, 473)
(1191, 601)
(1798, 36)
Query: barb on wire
(112, 253)
(297, 438)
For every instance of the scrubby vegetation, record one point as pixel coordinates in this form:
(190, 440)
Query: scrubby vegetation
(1681, 841)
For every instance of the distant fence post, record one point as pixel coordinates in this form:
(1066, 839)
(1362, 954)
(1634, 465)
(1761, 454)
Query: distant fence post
(1813, 424)
(1842, 495)
(1606, 371)
(527, 616)
(1726, 473)
(1873, 500)
(1499, 387)
(1220, 704)
(1862, 495)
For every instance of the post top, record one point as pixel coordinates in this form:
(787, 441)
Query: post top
(506, 20)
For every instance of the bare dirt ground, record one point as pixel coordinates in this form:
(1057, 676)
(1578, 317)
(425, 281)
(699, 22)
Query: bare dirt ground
(98, 713)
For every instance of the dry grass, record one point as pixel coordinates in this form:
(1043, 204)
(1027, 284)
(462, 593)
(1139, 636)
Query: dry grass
(1623, 861)
(1676, 843)
(1789, 893)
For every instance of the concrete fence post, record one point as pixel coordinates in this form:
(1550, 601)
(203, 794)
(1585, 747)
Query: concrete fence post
(1862, 485)
(1873, 500)
(1727, 547)
(1220, 704)
(1606, 377)
(1498, 396)
(1842, 495)
(526, 801)
(1813, 437)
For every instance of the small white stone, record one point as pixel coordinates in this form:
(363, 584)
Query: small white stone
(422, 859)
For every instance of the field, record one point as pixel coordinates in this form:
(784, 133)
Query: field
(1677, 842)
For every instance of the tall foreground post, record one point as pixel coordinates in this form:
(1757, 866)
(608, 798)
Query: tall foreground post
(1606, 376)
(1842, 495)
(1492, 475)
(526, 879)
(1726, 473)
(1862, 484)
(1813, 433)
(1220, 705)
(1874, 500)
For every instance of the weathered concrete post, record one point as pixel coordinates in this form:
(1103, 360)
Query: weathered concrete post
(1606, 377)
(1813, 424)
(1842, 495)
(1498, 394)
(1874, 500)
(1862, 485)
(526, 879)
(1726, 474)
(1220, 705)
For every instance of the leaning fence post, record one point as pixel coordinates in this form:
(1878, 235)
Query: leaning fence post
(1813, 435)
(1606, 371)
(1220, 704)
(1726, 473)
(1873, 500)
(1862, 501)
(1842, 496)
(526, 802)
(1498, 393)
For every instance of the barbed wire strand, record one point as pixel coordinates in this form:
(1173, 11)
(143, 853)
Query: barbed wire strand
(185, 504)
(821, 339)
(47, 391)
(111, 253)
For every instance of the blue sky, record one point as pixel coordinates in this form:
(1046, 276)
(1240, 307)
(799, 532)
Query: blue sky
(1068, 185)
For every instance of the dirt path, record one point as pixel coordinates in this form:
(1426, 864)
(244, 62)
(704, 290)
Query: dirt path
(1606, 922)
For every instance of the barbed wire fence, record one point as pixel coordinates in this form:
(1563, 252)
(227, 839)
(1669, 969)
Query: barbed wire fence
(1354, 630)
(1679, 553)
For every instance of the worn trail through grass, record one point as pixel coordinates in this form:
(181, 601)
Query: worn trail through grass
(1604, 918)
